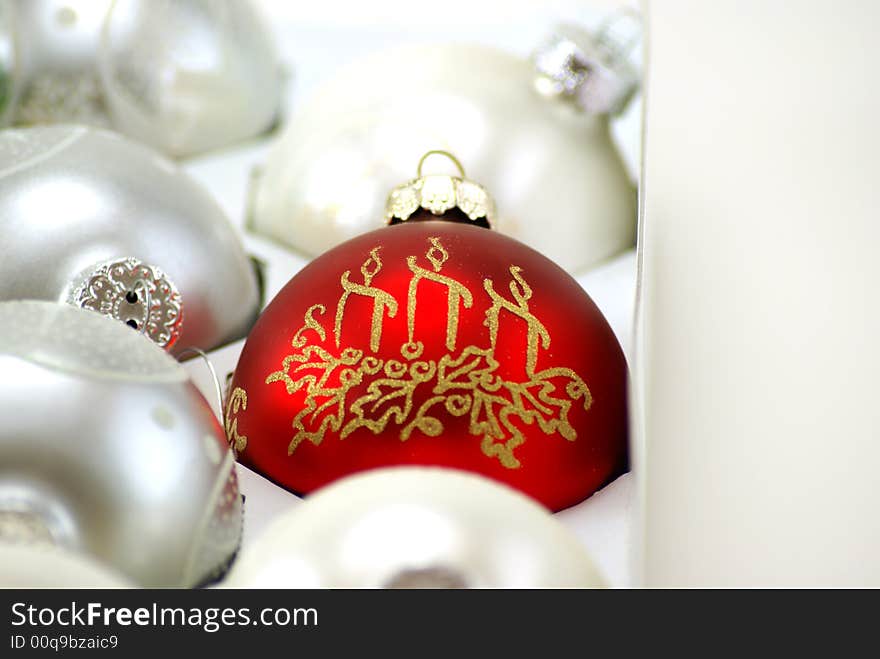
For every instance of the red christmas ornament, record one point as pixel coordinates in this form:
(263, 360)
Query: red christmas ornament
(433, 343)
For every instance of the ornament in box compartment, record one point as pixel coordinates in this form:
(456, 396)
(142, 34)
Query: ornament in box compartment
(433, 342)
(90, 217)
(108, 449)
(560, 185)
(415, 527)
(184, 76)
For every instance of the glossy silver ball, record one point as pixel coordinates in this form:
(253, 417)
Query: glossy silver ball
(107, 448)
(184, 76)
(557, 180)
(73, 199)
(415, 527)
(44, 566)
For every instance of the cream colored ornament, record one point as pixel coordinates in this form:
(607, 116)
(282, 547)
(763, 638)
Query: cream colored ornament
(89, 217)
(557, 180)
(185, 76)
(107, 448)
(416, 527)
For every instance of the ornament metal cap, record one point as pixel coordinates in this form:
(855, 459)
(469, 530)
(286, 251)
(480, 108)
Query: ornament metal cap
(591, 70)
(439, 193)
(135, 293)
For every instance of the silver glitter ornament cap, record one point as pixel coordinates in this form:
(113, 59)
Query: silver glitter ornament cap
(135, 293)
(592, 70)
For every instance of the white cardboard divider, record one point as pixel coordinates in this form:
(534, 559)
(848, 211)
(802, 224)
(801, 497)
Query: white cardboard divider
(758, 358)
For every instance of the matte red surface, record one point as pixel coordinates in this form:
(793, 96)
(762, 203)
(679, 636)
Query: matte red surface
(558, 472)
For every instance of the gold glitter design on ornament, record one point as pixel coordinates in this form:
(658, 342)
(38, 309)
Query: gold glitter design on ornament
(437, 255)
(311, 324)
(381, 299)
(522, 293)
(238, 402)
(461, 385)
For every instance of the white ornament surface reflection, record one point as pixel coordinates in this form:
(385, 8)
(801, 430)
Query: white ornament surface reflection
(556, 178)
(415, 527)
(184, 76)
(28, 566)
(103, 450)
(74, 198)
(188, 75)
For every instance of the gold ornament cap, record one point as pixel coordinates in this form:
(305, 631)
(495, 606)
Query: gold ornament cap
(439, 193)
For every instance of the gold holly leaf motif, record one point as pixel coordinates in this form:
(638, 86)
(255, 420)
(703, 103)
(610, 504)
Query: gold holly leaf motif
(353, 390)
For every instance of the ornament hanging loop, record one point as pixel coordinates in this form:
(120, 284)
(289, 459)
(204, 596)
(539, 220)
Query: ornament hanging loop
(218, 389)
(440, 152)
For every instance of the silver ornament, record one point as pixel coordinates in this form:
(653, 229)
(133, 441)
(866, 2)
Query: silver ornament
(108, 449)
(189, 75)
(415, 527)
(57, 76)
(90, 217)
(556, 177)
(8, 61)
(46, 566)
(182, 75)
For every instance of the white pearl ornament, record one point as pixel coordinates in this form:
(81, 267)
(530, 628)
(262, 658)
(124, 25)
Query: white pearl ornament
(557, 180)
(415, 527)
